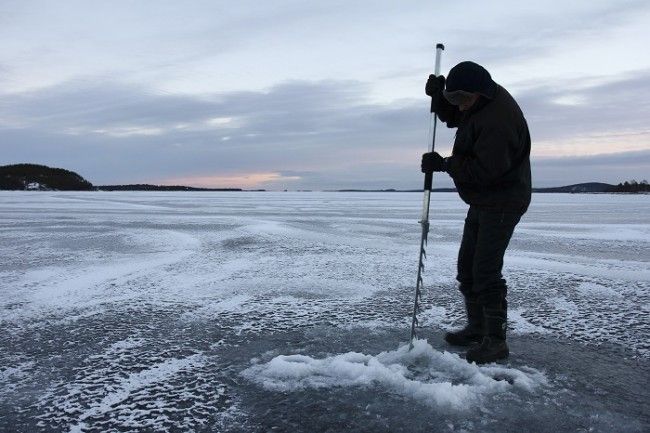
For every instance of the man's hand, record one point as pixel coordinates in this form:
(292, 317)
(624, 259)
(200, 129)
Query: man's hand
(434, 85)
(431, 162)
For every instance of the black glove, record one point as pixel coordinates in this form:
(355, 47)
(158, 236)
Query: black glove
(432, 161)
(434, 86)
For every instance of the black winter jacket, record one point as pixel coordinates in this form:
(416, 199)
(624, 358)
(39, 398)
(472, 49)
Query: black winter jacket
(490, 162)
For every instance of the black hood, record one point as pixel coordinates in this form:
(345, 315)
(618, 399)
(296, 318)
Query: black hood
(471, 77)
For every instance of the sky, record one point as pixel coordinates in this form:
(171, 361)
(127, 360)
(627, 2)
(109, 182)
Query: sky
(312, 95)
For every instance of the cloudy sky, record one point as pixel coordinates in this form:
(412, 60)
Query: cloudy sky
(312, 94)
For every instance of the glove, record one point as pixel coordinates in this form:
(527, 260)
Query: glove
(432, 161)
(434, 86)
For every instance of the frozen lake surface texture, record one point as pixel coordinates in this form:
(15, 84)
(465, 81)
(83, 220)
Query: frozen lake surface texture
(256, 312)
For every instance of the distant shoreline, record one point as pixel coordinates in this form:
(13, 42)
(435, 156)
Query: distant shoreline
(146, 187)
(34, 177)
(235, 190)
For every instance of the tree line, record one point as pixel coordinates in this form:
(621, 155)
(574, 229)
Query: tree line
(632, 186)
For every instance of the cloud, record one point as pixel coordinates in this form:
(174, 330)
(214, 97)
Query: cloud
(298, 126)
(612, 168)
(576, 117)
(298, 134)
(539, 30)
(639, 158)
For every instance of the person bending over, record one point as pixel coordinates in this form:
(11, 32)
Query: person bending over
(490, 166)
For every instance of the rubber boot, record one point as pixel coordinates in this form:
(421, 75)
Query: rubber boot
(493, 347)
(474, 331)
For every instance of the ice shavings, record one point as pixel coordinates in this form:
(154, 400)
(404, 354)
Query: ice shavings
(424, 374)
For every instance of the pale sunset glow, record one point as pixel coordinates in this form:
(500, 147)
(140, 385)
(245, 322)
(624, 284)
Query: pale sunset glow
(249, 180)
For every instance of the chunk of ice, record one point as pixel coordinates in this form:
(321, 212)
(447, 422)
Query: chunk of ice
(423, 374)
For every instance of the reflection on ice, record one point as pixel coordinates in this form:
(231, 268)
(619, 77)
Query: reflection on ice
(423, 374)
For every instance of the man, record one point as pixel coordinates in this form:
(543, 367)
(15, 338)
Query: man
(490, 165)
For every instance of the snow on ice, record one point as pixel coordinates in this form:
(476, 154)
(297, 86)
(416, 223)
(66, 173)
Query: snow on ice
(141, 311)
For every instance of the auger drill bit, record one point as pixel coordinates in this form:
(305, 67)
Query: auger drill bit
(424, 221)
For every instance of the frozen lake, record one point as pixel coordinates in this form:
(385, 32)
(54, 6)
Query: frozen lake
(258, 312)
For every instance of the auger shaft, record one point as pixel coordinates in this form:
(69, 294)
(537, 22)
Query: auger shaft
(424, 221)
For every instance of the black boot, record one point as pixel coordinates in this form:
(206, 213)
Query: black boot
(473, 332)
(493, 347)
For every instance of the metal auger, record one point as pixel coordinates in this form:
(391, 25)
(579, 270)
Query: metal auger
(424, 221)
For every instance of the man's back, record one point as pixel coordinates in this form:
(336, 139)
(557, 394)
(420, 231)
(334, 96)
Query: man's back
(491, 157)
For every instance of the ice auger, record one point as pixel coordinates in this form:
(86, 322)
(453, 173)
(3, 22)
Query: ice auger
(424, 221)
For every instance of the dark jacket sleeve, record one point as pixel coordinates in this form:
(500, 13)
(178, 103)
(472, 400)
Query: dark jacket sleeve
(492, 157)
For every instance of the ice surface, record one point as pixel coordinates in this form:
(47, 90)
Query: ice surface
(139, 311)
(124, 388)
(519, 324)
(423, 374)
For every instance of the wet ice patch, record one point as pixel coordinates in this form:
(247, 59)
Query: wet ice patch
(424, 374)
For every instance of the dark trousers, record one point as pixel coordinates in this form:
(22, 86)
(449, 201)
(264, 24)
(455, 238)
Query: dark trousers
(480, 260)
